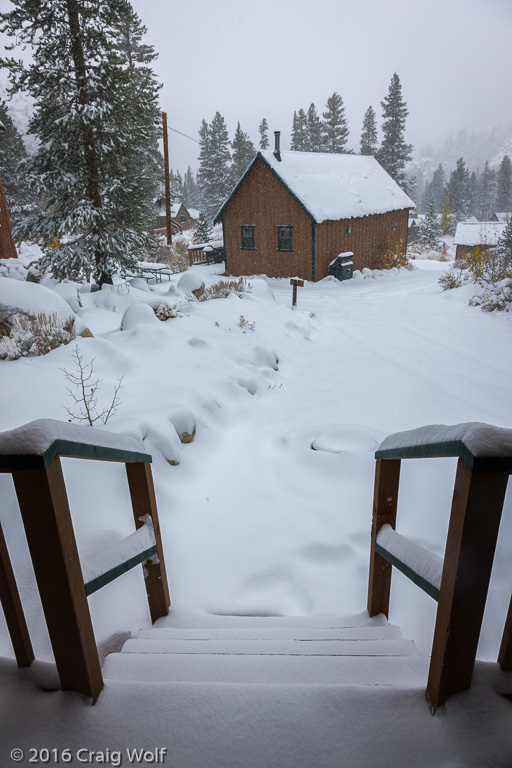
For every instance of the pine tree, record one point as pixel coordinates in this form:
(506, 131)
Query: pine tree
(203, 231)
(263, 128)
(504, 186)
(334, 127)
(243, 155)
(446, 223)
(12, 153)
(313, 140)
(96, 119)
(176, 181)
(459, 193)
(486, 193)
(438, 188)
(213, 175)
(394, 152)
(368, 143)
(298, 138)
(473, 194)
(190, 195)
(429, 228)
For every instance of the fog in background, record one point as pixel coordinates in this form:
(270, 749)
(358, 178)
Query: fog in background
(250, 60)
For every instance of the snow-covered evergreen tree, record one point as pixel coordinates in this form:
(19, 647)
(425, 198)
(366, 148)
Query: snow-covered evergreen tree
(298, 138)
(503, 200)
(96, 118)
(368, 143)
(263, 129)
(313, 139)
(486, 193)
(176, 181)
(334, 126)
(429, 227)
(213, 176)
(190, 195)
(394, 152)
(459, 193)
(203, 231)
(12, 153)
(438, 188)
(243, 155)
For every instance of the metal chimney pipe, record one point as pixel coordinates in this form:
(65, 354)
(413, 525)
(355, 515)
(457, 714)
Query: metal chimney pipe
(277, 148)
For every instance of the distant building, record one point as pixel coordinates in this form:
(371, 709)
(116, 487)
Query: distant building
(476, 234)
(292, 213)
(504, 216)
(181, 219)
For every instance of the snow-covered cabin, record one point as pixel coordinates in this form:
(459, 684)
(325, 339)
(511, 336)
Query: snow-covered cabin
(476, 234)
(181, 219)
(504, 216)
(292, 213)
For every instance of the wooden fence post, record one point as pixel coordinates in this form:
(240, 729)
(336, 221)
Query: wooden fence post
(13, 610)
(142, 492)
(385, 500)
(45, 511)
(475, 518)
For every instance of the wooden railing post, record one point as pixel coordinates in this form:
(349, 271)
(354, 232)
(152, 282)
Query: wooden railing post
(142, 492)
(385, 500)
(475, 517)
(46, 517)
(505, 654)
(13, 610)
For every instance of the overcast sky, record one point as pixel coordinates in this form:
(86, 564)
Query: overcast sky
(251, 59)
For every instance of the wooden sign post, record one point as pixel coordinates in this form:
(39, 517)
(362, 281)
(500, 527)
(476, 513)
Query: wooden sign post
(296, 281)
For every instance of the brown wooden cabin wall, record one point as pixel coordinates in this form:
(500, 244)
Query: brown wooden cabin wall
(263, 202)
(366, 235)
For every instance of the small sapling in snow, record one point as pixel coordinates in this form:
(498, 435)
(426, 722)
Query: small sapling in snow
(86, 398)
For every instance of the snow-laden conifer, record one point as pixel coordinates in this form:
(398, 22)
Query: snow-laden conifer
(429, 227)
(213, 176)
(486, 193)
(243, 155)
(458, 191)
(504, 186)
(298, 137)
(394, 152)
(190, 195)
(96, 119)
(313, 139)
(203, 229)
(334, 126)
(368, 143)
(12, 153)
(263, 131)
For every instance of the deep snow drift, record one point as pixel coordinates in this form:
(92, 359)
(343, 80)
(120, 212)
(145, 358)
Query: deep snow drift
(268, 510)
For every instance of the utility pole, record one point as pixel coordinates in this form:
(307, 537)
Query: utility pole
(7, 247)
(167, 180)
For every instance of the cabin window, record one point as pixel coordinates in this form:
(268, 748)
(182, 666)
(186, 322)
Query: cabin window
(247, 238)
(284, 238)
(183, 219)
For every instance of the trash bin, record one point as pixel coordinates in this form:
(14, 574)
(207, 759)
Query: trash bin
(342, 267)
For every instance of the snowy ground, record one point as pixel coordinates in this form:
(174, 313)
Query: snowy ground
(268, 511)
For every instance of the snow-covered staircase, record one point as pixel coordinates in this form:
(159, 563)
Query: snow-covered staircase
(353, 650)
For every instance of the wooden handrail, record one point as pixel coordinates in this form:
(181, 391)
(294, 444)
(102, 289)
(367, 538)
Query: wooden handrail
(484, 464)
(32, 455)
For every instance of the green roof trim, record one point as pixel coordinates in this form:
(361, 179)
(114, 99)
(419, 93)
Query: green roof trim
(449, 449)
(259, 156)
(73, 450)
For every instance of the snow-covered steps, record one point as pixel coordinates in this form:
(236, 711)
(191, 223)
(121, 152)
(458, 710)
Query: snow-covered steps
(270, 651)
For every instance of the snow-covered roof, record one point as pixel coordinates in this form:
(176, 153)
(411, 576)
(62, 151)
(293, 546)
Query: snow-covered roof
(213, 244)
(478, 232)
(505, 216)
(336, 186)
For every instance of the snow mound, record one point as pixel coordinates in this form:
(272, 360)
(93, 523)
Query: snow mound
(34, 299)
(190, 282)
(184, 422)
(138, 314)
(140, 284)
(157, 437)
(346, 437)
(265, 358)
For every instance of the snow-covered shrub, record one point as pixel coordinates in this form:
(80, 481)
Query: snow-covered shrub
(32, 335)
(452, 278)
(175, 256)
(223, 288)
(496, 298)
(245, 324)
(391, 253)
(165, 311)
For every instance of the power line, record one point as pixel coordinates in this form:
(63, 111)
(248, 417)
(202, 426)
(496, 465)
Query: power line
(183, 134)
